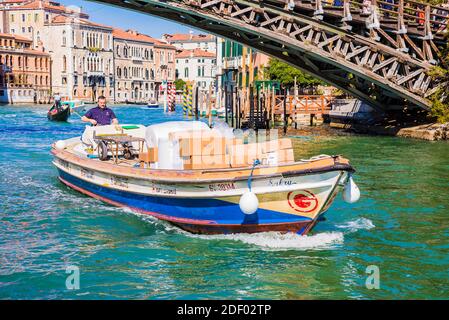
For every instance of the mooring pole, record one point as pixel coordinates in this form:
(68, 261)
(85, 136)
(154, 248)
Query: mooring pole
(196, 102)
(285, 111)
(226, 103)
(237, 116)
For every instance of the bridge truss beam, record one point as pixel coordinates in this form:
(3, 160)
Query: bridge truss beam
(374, 72)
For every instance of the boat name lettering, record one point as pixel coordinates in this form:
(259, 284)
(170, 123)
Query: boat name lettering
(222, 186)
(281, 182)
(64, 163)
(87, 173)
(120, 182)
(163, 189)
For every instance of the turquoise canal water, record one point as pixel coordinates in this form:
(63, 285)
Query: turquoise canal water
(400, 225)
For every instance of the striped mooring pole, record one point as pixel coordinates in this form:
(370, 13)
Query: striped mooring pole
(184, 100)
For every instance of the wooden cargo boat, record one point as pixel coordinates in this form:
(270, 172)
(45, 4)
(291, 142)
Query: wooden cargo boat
(267, 191)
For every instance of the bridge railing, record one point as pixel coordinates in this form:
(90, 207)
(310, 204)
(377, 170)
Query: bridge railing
(407, 13)
(303, 104)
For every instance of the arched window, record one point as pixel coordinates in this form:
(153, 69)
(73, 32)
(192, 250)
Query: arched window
(64, 38)
(118, 50)
(119, 72)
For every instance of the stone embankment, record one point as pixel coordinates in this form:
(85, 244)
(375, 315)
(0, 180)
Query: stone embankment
(430, 132)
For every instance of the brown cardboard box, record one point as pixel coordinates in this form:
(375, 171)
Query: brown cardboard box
(286, 155)
(150, 156)
(207, 162)
(153, 154)
(144, 157)
(205, 146)
(189, 147)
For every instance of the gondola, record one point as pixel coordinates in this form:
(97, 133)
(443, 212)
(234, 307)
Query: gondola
(59, 115)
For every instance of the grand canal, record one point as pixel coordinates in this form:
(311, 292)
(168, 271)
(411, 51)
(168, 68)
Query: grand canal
(400, 225)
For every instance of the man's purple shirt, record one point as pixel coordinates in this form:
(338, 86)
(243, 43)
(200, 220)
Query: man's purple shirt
(103, 116)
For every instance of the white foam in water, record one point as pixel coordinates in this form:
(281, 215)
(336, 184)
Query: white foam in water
(267, 240)
(358, 224)
(283, 241)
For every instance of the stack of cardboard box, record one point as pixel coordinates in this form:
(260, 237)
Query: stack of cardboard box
(210, 150)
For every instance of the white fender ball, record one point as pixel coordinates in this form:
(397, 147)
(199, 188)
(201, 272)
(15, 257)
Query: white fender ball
(351, 192)
(249, 203)
(60, 145)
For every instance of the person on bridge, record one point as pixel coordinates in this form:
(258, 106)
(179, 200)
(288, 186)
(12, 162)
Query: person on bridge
(100, 115)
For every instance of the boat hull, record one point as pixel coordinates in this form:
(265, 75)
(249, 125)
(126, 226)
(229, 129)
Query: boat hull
(62, 116)
(286, 204)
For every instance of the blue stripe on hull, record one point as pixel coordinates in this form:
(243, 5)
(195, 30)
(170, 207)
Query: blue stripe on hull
(218, 211)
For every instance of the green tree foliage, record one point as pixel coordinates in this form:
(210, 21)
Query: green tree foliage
(179, 83)
(285, 74)
(440, 99)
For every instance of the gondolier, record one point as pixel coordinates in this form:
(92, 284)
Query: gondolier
(101, 115)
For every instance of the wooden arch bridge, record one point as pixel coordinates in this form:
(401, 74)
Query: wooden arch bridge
(378, 51)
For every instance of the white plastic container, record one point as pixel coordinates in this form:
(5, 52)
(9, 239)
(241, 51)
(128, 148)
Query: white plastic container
(168, 152)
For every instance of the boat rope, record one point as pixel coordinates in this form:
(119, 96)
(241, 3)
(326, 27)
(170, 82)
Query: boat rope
(256, 163)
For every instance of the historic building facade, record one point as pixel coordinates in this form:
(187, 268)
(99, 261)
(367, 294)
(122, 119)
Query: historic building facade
(164, 65)
(24, 72)
(142, 64)
(83, 61)
(134, 67)
(196, 65)
(191, 41)
(27, 18)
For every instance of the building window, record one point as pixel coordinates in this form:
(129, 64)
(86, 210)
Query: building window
(12, 18)
(186, 72)
(36, 17)
(64, 39)
(64, 80)
(23, 18)
(64, 64)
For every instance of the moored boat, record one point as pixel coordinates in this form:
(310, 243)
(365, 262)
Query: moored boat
(153, 104)
(229, 190)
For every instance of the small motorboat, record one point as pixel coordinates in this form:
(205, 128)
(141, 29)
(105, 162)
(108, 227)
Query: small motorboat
(76, 106)
(61, 113)
(204, 180)
(153, 104)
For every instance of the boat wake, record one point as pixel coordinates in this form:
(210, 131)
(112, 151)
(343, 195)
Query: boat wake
(264, 240)
(355, 225)
(283, 241)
